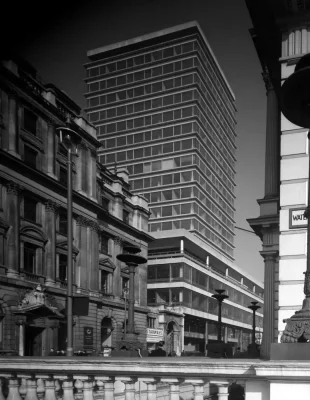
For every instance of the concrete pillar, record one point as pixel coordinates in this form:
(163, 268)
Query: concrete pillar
(269, 322)
(13, 125)
(51, 150)
(50, 248)
(225, 334)
(272, 163)
(13, 218)
(206, 336)
(182, 246)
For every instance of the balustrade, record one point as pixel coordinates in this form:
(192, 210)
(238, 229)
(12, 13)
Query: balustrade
(95, 378)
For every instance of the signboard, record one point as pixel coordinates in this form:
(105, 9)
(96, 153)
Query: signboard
(154, 335)
(88, 336)
(297, 218)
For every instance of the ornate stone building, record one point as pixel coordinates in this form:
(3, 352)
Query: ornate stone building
(33, 225)
(281, 37)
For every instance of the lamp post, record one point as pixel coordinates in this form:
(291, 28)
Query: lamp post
(125, 291)
(254, 307)
(132, 260)
(296, 108)
(220, 297)
(69, 139)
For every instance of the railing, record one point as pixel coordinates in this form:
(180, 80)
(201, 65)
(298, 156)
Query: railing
(105, 378)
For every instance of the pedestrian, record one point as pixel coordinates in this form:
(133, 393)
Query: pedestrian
(159, 352)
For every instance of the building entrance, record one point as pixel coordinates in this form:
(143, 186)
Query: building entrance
(33, 340)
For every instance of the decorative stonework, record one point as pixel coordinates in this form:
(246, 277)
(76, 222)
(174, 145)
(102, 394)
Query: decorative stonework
(118, 240)
(296, 327)
(94, 226)
(82, 221)
(51, 206)
(267, 80)
(14, 188)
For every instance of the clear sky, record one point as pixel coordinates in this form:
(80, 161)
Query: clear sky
(56, 38)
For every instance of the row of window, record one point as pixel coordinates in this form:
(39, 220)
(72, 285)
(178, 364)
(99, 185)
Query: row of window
(163, 54)
(199, 302)
(146, 105)
(192, 224)
(183, 177)
(225, 131)
(210, 153)
(213, 80)
(139, 76)
(190, 208)
(138, 91)
(176, 162)
(152, 56)
(188, 192)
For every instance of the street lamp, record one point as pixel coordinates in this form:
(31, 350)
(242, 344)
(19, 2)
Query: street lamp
(254, 307)
(296, 108)
(125, 291)
(69, 140)
(220, 297)
(132, 260)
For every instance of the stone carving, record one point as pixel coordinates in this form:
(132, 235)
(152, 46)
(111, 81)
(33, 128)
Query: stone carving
(267, 80)
(51, 206)
(14, 188)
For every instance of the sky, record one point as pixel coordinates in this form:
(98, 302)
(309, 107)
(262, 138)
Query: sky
(55, 37)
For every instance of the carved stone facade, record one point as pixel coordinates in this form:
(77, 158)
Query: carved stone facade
(33, 225)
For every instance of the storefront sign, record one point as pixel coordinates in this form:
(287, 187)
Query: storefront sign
(297, 218)
(88, 336)
(154, 335)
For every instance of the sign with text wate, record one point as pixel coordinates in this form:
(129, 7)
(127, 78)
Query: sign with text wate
(297, 218)
(154, 335)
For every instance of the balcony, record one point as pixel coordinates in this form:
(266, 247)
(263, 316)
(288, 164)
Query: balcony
(92, 378)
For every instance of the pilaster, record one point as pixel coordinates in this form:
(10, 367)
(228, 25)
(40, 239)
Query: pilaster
(13, 218)
(13, 125)
(51, 150)
(269, 323)
(51, 209)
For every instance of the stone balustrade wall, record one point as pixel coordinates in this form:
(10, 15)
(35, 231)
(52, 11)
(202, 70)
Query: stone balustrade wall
(78, 378)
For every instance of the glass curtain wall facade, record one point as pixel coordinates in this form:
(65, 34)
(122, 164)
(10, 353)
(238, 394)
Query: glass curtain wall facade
(164, 110)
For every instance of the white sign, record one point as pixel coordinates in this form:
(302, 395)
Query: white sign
(297, 219)
(154, 335)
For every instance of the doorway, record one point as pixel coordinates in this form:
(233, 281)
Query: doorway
(33, 340)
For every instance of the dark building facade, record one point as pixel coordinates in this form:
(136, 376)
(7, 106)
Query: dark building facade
(33, 225)
(164, 109)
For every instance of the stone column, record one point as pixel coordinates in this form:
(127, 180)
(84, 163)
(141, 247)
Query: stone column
(117, 290)
(198, 385)
(93, 157)
(272, 163)
(51, 209)
(13, 218)
(94, 279)
(89, 174)
(81, 244)
(222, 390)
(269, 303)
(51, 150)
(174, 387)
(13, 125)
(109, 388)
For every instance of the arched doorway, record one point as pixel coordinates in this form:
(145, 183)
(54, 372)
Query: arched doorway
(172, 339)
(106, 332)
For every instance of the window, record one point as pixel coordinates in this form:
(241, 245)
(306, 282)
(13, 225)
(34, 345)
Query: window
(104, 245)
(104, 285)
(125, 283)
(63, 261)
(63, 178)
(151, 322)
(126, 216)
(63, 226)
(30, 257)
(105, 203)
(30, 156)
(30, 122)
(30, 209)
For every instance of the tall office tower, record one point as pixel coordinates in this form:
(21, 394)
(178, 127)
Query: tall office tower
(165, 111)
